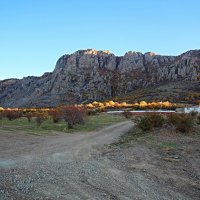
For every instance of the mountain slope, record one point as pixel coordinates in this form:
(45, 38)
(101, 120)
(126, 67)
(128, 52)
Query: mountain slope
(96, 75)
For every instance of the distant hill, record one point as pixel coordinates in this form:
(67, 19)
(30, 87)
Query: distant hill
(88, 75)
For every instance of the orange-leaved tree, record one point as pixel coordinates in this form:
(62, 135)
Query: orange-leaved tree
(73, 115)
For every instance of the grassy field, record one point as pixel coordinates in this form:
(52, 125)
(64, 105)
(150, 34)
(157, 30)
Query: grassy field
(48, 127)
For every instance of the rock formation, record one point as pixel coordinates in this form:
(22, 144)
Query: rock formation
(88, 75)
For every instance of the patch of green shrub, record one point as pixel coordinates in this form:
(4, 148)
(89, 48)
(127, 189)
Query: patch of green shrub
(157, 120)
(40, 118)
(182, 122)
(149, 121)
(194, 114)
(1, 115)
(198, 119)
(127, 114)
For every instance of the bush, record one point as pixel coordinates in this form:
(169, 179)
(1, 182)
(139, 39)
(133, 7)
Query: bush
(157, 120)
(194, 114)
(55, 114)
(198, 119)
(173, 119)
(29, 116)
(12, 114)
(145, 124)
(127, 114)
(182, 122)
(73, 115)
(39, 118)
(149, 121)
(1, 115)
(92, 112)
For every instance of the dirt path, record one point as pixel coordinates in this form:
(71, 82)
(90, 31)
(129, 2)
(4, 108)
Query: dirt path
(73, 166)
(19, 145)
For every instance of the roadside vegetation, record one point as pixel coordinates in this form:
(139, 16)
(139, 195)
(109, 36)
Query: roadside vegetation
(71, 117)
(171, 135)
(68, 119)
(88, 117)
(171, 124)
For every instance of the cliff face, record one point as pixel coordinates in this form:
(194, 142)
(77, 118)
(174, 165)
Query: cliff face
(95, 75)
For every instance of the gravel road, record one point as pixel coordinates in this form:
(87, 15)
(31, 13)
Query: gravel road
(72, 167)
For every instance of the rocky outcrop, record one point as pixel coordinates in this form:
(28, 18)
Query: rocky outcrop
(88, 75)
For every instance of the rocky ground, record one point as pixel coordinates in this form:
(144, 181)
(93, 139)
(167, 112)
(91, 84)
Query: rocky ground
(79, 166)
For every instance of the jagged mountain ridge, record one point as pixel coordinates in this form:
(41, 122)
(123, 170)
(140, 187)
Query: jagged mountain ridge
(96, 75)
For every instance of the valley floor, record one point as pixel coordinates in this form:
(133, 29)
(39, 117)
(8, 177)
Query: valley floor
(81, 166)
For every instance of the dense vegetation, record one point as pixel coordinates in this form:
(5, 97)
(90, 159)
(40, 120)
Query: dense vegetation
(179, 122)
(51, 121)
(73, 116)
(163, 132)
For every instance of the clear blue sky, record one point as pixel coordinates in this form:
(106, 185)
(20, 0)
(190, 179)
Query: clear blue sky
(35, 33)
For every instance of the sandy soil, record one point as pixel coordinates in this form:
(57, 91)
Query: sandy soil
(79, 166)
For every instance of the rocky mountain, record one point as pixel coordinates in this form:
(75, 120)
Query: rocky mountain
(88, 75)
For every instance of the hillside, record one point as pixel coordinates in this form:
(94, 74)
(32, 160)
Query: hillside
(186, 92)
(88, 75)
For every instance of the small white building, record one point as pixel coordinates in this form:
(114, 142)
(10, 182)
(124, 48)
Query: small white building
(190, 109)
